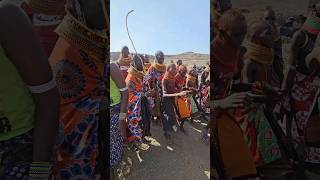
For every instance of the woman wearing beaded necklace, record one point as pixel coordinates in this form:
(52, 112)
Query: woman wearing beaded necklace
(259, 69)
(80, 66)
(135, 84)
(153, 80)
(124, 61)
(301, 103)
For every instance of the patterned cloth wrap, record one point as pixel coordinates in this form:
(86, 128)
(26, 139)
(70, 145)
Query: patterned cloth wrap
(204, 97)
(134, 83)
(257, 130)
(301, 102)
(153, 73)
(15, 157)
(225, 66)
(116, 140)
(259, 136)
(79, 69)
(40, 170)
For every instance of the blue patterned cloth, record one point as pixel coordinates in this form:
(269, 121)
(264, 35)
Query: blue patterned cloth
(16, 157)
(116, 140)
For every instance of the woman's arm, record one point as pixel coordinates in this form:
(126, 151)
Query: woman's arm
(249, 70)
(297, 41)
(117, 77)
(190, 85)
(175, 94)
(164, 91)
(24, 50)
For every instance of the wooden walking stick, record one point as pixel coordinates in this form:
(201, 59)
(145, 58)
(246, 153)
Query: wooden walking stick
(157, 102)
(134, 47)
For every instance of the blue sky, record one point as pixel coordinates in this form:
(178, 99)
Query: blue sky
(173, 26)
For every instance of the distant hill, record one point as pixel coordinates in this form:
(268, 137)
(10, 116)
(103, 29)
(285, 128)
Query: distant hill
(253, 10)
(187, 58)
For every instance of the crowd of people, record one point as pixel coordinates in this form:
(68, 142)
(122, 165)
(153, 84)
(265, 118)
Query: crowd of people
(54, 95)
(144, 93)
(254, 90)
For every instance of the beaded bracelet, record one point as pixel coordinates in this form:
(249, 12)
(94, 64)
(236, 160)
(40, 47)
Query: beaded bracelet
(75, 32)
(39, 170)
(122, 116)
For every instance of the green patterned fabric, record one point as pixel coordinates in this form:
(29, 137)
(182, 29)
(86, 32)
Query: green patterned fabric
(193, 105)
(260, 137)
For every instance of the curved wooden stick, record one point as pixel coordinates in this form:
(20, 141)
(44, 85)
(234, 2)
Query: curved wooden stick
(130, 36)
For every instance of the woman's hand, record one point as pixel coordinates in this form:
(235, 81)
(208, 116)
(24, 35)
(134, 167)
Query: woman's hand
(313, 60)
(151, 93)
(236, 100)
(184, 93)
(123, 128)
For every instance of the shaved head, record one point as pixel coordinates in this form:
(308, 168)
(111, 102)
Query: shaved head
(261, 33)
(230, 19)
(269, 16)
(222, 6)
(160, 57)
(182, 69)
(125, 51)
(171, 65)
(233, 23)
(137, 62)
(269, 12)
(179, 62)
(317, 9)
(146, 58)
(172, 69)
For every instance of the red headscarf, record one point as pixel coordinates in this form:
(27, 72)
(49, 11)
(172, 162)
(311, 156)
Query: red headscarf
(226, 56)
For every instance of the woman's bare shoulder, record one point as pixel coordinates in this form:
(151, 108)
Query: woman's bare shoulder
(11, 10)
(12, 18)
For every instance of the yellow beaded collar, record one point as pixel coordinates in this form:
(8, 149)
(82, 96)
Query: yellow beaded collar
(48, 7)
(77, 33)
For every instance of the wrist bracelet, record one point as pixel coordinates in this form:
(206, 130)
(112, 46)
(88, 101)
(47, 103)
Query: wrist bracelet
(122, 116)
(123, 89)
(39, 170)
(39, 89)
(291, 67)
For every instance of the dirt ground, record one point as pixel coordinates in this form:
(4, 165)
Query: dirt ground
(187, 159)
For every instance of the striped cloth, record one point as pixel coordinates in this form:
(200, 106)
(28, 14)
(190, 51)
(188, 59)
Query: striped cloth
(39, 170)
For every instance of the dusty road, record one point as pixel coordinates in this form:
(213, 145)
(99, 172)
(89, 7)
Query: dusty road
(189, 158)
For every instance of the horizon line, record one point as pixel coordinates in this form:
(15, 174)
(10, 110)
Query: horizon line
(132, 52)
